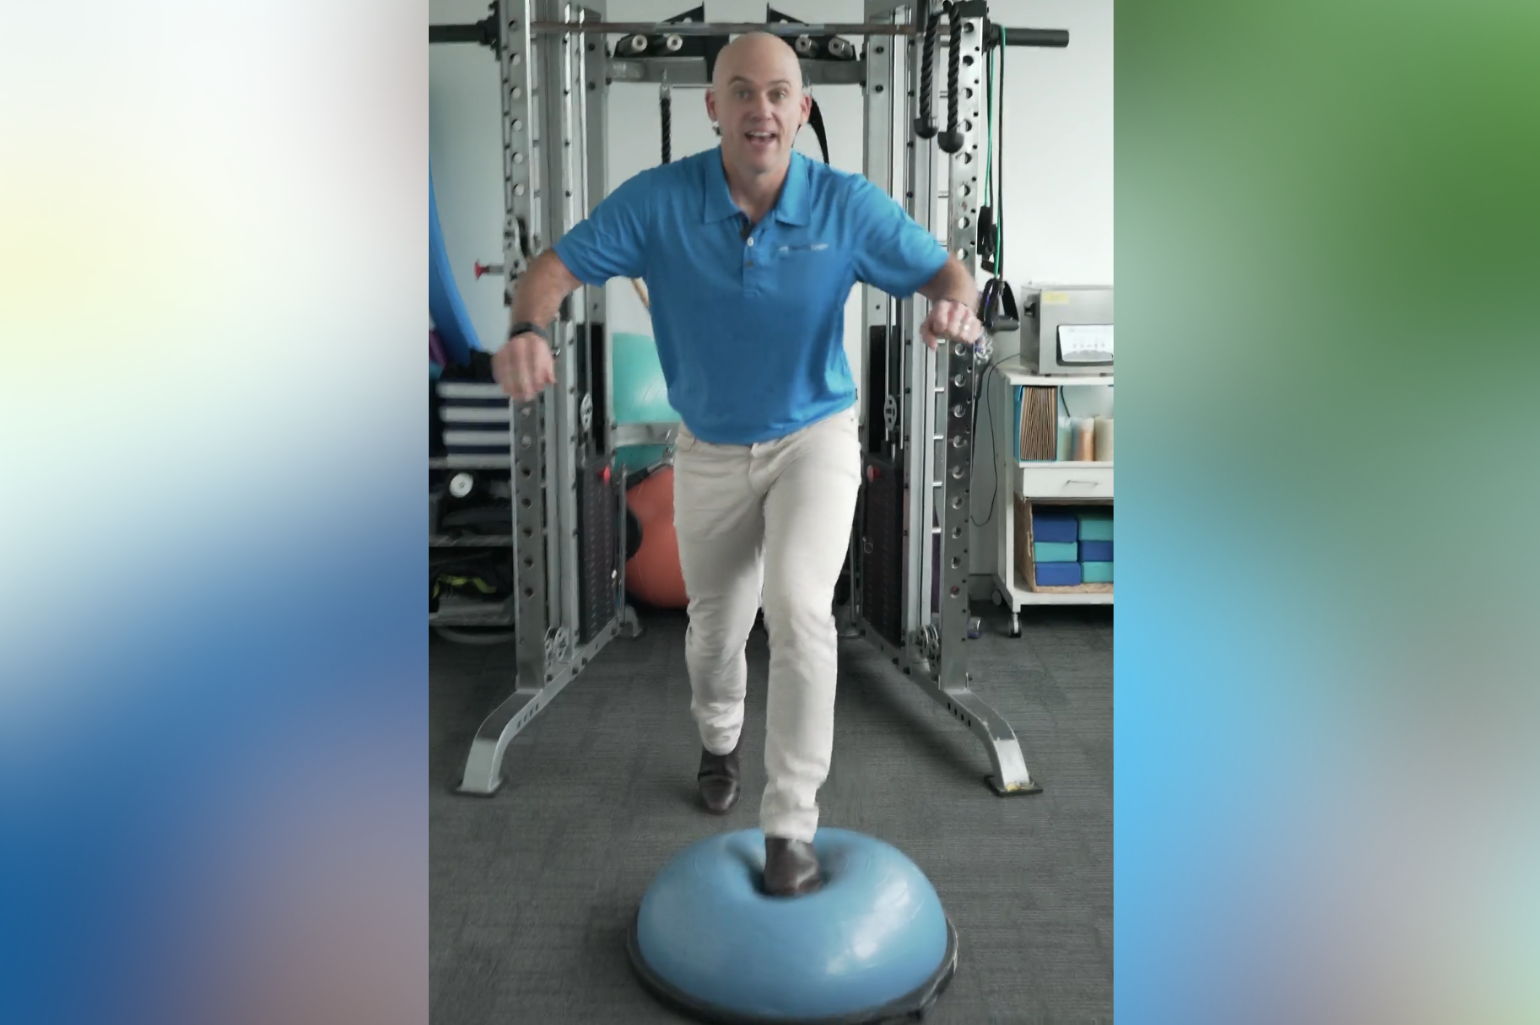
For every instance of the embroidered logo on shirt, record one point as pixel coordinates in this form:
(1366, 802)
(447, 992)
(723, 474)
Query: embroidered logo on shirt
(815, 247)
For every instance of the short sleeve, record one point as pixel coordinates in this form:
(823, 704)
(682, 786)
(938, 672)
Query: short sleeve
(612, 241)
(893, 252)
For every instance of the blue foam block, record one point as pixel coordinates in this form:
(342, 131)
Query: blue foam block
(708, 937)
(1096, 551)
(1057, 574)
(1054, 525)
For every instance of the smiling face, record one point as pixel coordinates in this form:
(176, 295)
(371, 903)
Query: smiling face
(757, 100)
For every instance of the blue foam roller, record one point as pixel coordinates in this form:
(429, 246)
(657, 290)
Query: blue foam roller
(872, 943)
(1057, 574)
(445, 307)
(1096, 551)
(1054, 525)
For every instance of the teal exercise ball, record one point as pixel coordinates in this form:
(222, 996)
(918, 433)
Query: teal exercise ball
(641, 394)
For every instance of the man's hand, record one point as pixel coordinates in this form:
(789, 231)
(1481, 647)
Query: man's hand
(524, 366)
(950, 321)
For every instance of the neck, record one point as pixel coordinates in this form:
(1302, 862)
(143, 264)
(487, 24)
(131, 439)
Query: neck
(755, 195)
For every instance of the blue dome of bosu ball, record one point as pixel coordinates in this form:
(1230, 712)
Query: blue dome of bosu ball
(871, 945)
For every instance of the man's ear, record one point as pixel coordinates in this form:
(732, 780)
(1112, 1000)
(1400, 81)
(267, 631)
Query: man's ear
(807, 107)
(711, 104)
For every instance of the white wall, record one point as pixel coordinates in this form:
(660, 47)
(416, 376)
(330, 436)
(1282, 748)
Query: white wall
(1058, 197)
(465, 140)
(1058, 157)
(1058, 144)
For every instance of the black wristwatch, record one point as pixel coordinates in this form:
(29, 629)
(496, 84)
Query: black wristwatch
(524, 327)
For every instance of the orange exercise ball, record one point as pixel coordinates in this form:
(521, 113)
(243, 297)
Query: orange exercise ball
(653, 574)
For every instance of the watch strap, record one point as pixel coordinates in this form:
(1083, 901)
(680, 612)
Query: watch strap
(524, 327)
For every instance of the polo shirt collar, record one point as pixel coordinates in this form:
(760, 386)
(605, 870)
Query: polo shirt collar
(790, 208)
(719, 205)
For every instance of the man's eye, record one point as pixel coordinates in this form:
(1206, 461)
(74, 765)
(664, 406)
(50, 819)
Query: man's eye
(742, 94)
(778, 95)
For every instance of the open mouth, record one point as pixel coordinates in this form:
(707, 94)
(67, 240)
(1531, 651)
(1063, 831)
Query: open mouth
(761, 138)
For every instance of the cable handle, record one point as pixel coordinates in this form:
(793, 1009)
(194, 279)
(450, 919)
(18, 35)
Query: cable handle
(925, 125)
(951, 140)
(666, 117)
(1053, 38)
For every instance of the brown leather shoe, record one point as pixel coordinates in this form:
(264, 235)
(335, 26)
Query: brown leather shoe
(720, 777)
(791, 867)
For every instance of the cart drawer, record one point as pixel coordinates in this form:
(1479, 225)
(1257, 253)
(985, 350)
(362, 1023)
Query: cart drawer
(1057, 480)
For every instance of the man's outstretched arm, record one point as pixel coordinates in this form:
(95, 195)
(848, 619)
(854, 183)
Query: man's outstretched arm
(545, 283)
(954, 298)
(523, 366)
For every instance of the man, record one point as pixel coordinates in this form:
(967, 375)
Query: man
(749, 252)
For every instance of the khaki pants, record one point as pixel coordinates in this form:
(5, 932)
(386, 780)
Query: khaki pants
(768, 523)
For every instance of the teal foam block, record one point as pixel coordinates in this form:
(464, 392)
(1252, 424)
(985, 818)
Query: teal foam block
(1096, 572)
(1095, 524)
(1055, 551)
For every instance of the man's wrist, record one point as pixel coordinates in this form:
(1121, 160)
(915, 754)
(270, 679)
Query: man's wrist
(525, 327)
(969, 305)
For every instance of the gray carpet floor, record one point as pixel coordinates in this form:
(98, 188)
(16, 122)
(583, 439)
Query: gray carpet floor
(532, 890)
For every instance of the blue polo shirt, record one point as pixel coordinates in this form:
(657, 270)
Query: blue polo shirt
(750, 324)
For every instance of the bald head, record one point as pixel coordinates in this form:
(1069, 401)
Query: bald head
(757, 52)
(756, 98)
